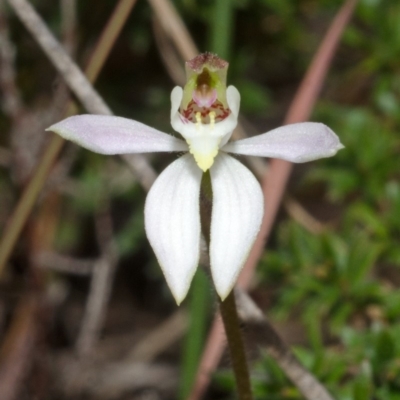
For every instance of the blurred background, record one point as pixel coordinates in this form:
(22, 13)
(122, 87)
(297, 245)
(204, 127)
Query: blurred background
(80, 321)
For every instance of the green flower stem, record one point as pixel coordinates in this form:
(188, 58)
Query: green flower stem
(27, 201)
(228, 306)
(221, 28)
(236, 346)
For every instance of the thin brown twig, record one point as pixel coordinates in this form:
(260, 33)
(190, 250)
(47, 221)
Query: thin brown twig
(60, 171)
(17, 350)
(174, 27)
(110, 379)
(11, 102)
(274, 184)
(60, 263)
(68, 25)
(74, 77)
(160, 338)
(101, 283)
(5, 157)
(108, 38)
(172, 61)
(303, 379)
(118, 175)
(303, 217)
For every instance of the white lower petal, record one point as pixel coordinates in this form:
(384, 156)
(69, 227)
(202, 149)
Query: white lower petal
(238, 207)
(172, 221)
(306, 141)
(115, 135)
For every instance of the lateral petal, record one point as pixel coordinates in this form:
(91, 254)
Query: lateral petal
(115, 135)
(172, 222)
(238, 207)
(302, 142)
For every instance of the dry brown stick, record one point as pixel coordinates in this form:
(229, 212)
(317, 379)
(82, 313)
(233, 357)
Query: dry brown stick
(65, 264)
(118, 176)
(17, 351)
(303, 217)
(172, 62)
(74, 77)
(160, 338)
(303, 379)
(68, 25)
(174, 27)
(11, 103)
(5, 157)
(60, 171)
(111, 380)
(274, 185)
(101, 283)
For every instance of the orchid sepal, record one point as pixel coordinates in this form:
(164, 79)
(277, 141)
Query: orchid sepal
(172, 223)
(238, 208)
(110, 135)
(298, 143)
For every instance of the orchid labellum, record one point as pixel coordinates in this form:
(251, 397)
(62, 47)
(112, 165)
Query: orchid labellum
(204, 112)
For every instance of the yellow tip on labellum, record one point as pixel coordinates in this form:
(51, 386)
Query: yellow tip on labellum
(204, 160)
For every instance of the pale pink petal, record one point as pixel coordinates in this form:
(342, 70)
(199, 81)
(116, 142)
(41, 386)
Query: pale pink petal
(306, 141)
(115, 135)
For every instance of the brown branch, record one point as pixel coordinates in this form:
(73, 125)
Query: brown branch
(303, 217)
(11, 101)
(110, 379)
(17, 351)
(174, 27)
(160, 338)
(172, 62)
(100, 285)
(74, 77)
(69, 25)
(5, 157)
(303, 379)
(65, 264)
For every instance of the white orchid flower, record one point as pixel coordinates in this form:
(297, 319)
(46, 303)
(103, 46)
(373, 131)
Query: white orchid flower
(205, 113)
